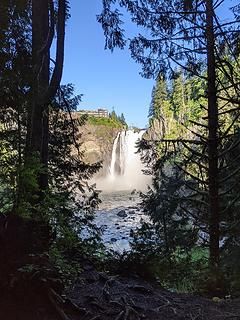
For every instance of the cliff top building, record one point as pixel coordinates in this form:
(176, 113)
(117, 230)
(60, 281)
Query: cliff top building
(99, 113)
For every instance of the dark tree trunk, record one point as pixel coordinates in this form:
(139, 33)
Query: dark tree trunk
(212, 140)
(39, 112)
(44, 89)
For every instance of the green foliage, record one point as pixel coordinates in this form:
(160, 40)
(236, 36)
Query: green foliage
(68, 204)
(108, 122)
(117, 118)
(179, 191)
(27, 186)
(30, 173)
(15, 70)
(168, 245)
(8, 174)
(122, 119)
(70, 201)
(159, 99)
(113, 121)
(176, 103)
(182, 271)
(68, 269)
(185, 33)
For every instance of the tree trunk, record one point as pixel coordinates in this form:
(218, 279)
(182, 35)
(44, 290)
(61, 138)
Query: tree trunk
(44, 89)
(212, 140)
(39, 112)
(37, 126)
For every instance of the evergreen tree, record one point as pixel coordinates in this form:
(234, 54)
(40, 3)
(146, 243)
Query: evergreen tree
(43, 183)
(113, 115)
(15, 82)
(69, 190)
(159, 97)
(160, 108)
(122, 119)
(186, 33)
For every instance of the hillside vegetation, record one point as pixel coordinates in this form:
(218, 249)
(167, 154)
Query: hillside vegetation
(109, 122)
(113, 121)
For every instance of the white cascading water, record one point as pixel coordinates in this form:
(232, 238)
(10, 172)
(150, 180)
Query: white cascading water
(122, 151)
(114, 157)
(125, 171)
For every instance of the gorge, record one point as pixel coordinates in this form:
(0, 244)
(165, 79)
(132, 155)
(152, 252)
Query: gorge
(120, 180)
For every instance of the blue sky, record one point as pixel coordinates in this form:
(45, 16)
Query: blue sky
(106, 80)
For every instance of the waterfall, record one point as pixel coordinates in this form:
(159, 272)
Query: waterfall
(114, 157)
(122, 151)
(130, 164)
(125, 170)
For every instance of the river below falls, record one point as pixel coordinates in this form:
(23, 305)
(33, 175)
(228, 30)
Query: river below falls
(118, 214)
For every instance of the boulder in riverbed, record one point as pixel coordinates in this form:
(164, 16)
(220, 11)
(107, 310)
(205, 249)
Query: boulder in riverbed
(122, 214)
(134, 191)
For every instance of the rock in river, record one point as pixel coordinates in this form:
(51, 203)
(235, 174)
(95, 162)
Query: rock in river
(122, 214)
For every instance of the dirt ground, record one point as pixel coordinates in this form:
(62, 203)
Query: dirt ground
(98, 296)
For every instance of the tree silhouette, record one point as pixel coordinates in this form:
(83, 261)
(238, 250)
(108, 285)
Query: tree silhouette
(44, 86)
(188, 34)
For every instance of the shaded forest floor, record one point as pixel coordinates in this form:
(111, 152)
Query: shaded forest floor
(30, 288)
(99, 296)
(103, 297)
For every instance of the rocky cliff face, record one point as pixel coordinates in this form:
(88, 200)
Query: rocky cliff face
(155, 131)
(96, 144)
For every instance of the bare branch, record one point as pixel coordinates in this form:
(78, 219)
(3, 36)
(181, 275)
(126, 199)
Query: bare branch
(194, 151)
(233, 146)
(230, 176)
(228, 190)
(191, 175)
(231, 204)
(199, 124)
(229, 111)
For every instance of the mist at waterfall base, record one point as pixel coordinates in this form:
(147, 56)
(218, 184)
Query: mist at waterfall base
(125, 170)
